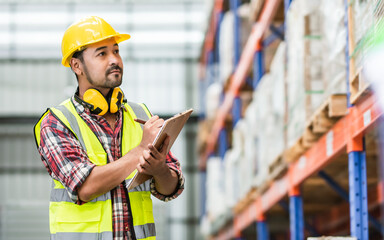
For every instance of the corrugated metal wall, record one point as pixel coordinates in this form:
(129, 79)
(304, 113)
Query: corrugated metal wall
(29, 87)
(24, 186)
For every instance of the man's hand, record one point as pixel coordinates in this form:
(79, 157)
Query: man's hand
(150, 130)
(153, 161)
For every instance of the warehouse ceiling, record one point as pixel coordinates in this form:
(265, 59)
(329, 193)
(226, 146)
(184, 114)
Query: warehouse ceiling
(159, 28)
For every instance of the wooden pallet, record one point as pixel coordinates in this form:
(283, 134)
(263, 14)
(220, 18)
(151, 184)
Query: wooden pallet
(327, 114)
(293, 153)
(359, 87)
(277, 168)
(321, 121)
(246, 201)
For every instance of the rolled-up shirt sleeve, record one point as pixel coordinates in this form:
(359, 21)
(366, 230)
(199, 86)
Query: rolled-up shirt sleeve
(173, 164)
(64, 158)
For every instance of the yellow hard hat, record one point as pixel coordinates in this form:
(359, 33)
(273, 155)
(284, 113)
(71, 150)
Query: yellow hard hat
(84, 32)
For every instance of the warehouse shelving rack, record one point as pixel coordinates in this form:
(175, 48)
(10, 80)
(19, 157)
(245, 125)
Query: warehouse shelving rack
(347, 135)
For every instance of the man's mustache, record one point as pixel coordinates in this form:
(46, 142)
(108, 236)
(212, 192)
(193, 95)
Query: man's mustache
(114, 67)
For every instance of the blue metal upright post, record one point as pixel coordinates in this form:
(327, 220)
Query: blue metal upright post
(234, 5)
(217, 38)
(287, 3)
(258, 65)
(210, 68)
(344, 194)
(202, 88)
(358, 202)
(217, 45)
(380, 165)
(296, 216)
(223, 144)
(358, 194)
(262, 230)
(203, 197)
(236, 110)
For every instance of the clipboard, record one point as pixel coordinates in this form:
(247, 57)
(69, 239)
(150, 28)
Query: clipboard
(171, 127)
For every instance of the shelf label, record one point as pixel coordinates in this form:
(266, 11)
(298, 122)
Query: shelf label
(302, 162)
(329, 143)
(367, 117)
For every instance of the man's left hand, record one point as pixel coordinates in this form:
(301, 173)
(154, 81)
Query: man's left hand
(152, 161)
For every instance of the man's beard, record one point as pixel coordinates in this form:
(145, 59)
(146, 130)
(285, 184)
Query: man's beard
(108, 83)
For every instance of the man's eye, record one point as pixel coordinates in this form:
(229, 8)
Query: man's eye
(101, 54)
(116, 51)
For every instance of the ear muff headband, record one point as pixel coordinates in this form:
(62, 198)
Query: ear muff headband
(100, 104)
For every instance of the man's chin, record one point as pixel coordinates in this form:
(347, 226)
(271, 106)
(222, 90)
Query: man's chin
(112, 83)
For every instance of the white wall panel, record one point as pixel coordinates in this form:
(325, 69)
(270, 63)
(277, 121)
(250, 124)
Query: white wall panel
(24, 206)
(17, 147)
(28, 88)
(24, 186)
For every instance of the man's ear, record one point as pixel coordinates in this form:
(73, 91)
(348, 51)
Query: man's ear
(76, 66)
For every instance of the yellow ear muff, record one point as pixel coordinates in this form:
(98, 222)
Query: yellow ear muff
(116, 100)
(97, 100)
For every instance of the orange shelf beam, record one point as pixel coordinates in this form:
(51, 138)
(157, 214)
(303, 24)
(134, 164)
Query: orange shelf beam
(354, 125)
(360, 118)
(240, 74)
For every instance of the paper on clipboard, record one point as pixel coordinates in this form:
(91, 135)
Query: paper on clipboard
(171, 127)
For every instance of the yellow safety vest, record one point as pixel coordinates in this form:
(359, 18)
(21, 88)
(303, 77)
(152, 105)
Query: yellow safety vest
(93, 220)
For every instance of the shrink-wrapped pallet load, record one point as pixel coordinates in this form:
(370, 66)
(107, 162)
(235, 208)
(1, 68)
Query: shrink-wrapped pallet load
(263, 97)
(212, 100)
(215, 188)
(239, 145)
(333, 47)
(269, 99)
(364, 21)
(251, 148)
(304, 68)
(278, 103)
(226, 43)
(232, 178)
(227, 40)
(364, 16)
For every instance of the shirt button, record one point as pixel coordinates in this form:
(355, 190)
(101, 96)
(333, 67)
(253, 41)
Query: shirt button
(126, 228)
(124, 204)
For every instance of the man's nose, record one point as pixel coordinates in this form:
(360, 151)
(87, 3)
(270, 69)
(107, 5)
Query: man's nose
(113, 59)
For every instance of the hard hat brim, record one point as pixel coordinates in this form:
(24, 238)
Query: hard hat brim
(119, 37)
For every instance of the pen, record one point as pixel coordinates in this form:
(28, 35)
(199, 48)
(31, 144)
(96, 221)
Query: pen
(139, 120)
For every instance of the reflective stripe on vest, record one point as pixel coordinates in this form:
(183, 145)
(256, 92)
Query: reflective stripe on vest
(82, 236)
(93, 220)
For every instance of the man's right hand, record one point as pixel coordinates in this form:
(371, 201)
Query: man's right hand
(150, 130)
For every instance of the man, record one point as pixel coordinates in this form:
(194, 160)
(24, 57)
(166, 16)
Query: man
(92, 147)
